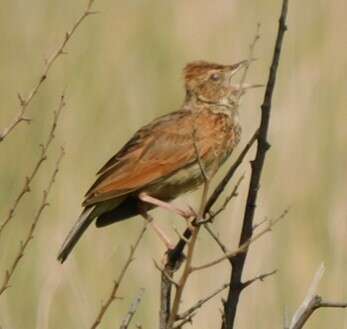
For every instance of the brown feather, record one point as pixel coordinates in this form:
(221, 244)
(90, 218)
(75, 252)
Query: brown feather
(156, 151)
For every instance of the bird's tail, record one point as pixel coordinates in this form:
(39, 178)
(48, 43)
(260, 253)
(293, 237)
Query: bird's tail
(76, 232)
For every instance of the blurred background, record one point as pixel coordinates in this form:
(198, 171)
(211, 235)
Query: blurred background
(124, 68)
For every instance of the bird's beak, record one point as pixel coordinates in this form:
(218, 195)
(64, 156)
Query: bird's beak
(239, 90)
(246, 86)
(238, 66)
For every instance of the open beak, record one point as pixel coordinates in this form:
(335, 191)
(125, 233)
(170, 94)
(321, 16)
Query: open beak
(238, 66)
(239, 90)
(246, 86)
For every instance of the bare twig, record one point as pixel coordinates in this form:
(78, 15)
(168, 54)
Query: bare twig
(233, 194)
(23, 245)
(230, 305)
(188, 319)
(250, 58)
(24, 102)
(260, 277)
(201, 302)
(43, 156)
(132, 309)
(312, 302)
(216, 238)
(113, 294)
(242, 248)
(260, 223)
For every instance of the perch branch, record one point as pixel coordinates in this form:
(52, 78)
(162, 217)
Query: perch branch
(192, 243)
(24, 102)
(201, 302)
(43, 156)
(230, 305)
(113, 294)
(23, 245)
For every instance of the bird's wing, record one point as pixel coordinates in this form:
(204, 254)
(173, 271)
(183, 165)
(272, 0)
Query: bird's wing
(155, 151)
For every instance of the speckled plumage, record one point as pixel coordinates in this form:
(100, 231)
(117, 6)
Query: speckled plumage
(161, 158)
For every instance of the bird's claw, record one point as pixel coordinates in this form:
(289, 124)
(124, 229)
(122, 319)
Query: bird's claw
(189, 213)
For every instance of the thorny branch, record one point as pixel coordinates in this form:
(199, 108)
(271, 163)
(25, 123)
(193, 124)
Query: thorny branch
(23, 245)
(36, 169)
(201, 302)
(24, 102)
(230, 305)
(113, 294)
(260, 277)
(242, 248)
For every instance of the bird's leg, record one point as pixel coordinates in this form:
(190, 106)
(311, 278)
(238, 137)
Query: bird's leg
(186, 214)
(156, 228)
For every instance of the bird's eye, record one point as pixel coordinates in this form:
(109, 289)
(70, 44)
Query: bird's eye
(215, 77)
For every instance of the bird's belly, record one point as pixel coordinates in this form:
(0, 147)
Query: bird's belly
(184, 180)
(190, 177)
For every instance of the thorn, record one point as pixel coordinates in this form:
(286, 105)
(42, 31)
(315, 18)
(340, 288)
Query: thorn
(21, 99)
(92, 12)
(267, 145)
(25, 119)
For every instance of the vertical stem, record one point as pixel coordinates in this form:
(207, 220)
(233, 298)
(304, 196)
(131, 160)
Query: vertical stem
(236, 285)
(165, 298)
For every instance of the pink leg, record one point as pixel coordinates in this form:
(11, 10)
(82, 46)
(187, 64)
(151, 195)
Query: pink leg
(186, 214)
(157, 229)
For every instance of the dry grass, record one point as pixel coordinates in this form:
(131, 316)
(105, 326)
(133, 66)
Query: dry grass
(123, 69)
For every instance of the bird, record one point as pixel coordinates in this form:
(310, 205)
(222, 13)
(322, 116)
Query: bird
(170, 155)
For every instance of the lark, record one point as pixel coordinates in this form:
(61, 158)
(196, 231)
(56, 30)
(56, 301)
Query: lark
(169, 156)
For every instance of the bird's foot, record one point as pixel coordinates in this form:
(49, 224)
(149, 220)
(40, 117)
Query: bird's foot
(162, 236)
(187, 214)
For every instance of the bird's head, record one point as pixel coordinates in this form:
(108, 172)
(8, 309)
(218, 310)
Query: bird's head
(211, 82)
